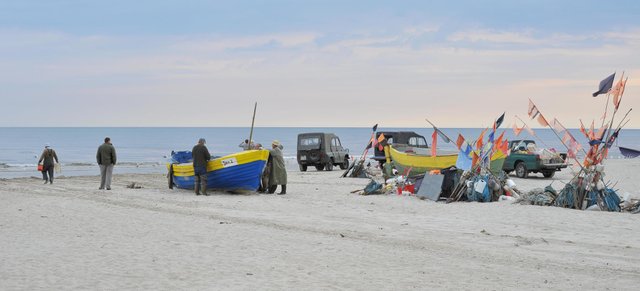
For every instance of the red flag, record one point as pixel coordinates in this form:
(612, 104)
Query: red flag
(583, 130)
(434, 143)
(542, 120)
(592, 131)
(460, 141)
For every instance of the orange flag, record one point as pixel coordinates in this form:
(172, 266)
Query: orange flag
(434, 143)
(517, 130)
(479, 141)
(505, 147)
(592, 131)
(529, 130)
(460, 141)
(583, 130)
(474, 160)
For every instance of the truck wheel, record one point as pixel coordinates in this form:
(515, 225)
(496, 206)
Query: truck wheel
(345, 164)
(548, 174)
(303, 168)
(329, 166)
(319, 167)
(521, 170)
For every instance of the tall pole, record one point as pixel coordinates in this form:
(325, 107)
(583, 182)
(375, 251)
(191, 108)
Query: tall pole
(253, 120)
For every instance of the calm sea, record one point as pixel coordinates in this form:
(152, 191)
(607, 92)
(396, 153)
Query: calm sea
(145, 150)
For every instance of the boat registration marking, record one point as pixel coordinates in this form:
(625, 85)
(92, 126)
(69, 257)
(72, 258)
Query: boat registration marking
(230, 162)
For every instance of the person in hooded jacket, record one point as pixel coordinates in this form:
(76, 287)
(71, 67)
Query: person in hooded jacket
(278, 172)
(47, 159)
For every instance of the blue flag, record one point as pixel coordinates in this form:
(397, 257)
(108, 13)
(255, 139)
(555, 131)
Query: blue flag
(605, 85)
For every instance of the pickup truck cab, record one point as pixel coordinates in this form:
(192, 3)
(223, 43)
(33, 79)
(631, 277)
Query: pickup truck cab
(321, 150)
(399, 138)
(525, 158)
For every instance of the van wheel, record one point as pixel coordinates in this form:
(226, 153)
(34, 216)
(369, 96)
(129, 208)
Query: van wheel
(303, 168)
(319, 167)
(329, 166)
(548, 174)
(345, 164)
(521, 170)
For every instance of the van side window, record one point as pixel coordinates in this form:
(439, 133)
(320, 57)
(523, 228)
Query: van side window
(422, 142)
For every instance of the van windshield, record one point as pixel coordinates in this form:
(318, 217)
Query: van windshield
(309, 142)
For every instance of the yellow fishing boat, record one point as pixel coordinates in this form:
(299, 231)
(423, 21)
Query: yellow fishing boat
(419, 160)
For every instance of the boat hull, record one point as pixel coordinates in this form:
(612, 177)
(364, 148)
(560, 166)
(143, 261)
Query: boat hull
(422, 163)
(236, 172)
(629, 153)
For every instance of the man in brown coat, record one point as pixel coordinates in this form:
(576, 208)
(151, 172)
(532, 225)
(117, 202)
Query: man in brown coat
(106, 158)
(201, 157)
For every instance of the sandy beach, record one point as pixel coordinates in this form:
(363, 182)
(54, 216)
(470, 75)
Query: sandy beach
(70, 235)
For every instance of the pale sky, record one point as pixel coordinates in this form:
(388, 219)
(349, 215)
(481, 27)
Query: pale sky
(312, 63)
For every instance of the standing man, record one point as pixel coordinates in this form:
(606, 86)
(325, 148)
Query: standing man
(48, 155)
(201, 156)
(278, 173)
(106, 158)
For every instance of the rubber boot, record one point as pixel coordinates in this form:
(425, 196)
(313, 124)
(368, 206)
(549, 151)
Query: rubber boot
(196, 185)
(203, 182)
(284, 190)
(272, 189)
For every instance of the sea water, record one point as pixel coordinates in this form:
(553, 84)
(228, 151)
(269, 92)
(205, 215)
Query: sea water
(146, 149)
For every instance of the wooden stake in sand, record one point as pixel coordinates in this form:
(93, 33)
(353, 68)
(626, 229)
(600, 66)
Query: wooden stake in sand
(252, 123)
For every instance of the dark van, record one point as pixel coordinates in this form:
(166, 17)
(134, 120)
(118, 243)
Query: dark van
(321, 150)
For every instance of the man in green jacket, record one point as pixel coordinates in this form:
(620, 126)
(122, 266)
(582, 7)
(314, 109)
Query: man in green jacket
(106, 158)
(201, 157)
(278, 173)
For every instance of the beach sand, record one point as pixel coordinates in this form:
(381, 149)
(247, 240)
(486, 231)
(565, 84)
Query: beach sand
(70, 235)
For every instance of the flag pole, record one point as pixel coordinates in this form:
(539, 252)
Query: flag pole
(255, 106)
(440, 130)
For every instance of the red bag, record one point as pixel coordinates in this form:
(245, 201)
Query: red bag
(40, 167)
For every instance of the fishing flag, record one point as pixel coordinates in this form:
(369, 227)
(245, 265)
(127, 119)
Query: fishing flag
(605, 85)
(499, 140)
(592, 131)
(533, 110)
(583, 130)
(480, 139)
(434, 142)
(542, 120)
(464, 161)
(459, 141)
(573, 148)
(375, 127)
(517, 130)
(498, 121)
(381, 139)
(617, 93)
(474, 159)
(443, 136)
(558, 127)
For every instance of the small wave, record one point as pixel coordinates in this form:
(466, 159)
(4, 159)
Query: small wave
(78, 164)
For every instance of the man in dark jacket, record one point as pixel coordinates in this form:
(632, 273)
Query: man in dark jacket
(201, 156)
(106, 158)
(47, 157)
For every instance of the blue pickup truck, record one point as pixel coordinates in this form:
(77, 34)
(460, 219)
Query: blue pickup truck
(525, 158)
